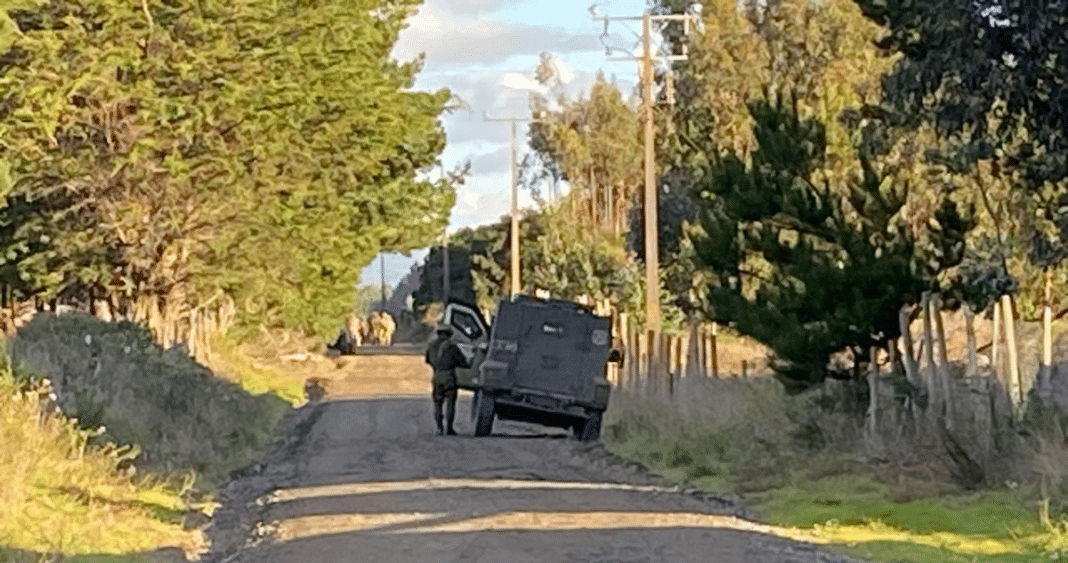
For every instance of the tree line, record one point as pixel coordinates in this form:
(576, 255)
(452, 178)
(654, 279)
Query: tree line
(822, 165)
(159, 157)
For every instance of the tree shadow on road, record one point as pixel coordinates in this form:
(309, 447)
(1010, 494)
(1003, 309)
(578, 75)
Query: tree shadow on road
(373, 482)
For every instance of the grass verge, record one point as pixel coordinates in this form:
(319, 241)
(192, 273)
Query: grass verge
(246, 365)
(175, 411)
(111, 446)
(60, 496)
(748, 440)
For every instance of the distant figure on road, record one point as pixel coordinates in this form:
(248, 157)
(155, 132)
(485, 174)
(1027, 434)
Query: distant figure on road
(356, 329)
(444, 356)
(381, 326)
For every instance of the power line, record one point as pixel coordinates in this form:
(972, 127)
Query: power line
(514, 253)
(652, 235)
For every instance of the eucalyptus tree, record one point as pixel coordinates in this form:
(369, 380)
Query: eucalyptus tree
(817, 53)
(162, 153)
(989, 78)
(592, 142)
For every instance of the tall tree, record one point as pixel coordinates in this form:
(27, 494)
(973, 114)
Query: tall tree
(162, 152)
(558, 255)
(989, 79)
(819, 52)
(591, 142)
(802, 268)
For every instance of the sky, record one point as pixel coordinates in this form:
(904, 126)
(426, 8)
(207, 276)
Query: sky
(484, 51)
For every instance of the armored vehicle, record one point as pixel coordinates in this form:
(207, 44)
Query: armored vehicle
(542, 361)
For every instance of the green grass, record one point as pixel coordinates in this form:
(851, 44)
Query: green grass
(235, 361)
(854, 511)
(743, 443)
(61, 496)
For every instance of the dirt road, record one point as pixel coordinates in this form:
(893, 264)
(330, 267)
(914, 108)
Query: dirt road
(361, 477)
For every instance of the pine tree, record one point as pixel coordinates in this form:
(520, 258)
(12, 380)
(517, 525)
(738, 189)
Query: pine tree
(801, 267)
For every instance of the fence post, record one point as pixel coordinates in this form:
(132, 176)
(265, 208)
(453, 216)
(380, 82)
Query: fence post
(693, 356)
(654, 359)
(1045, 374)
(928, 372)
(874, 439)
(1015, 387)
(995, 343)
(714, 350)
(632, 359)
(943, 369)
(673, 362)
(971, 369)
(633, 356)
(646, 361)
(624, 338)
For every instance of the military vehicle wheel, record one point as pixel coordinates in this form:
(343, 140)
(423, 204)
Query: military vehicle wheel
(484, 419)
(590, 430)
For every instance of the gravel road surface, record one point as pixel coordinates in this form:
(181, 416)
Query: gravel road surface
(361, 477)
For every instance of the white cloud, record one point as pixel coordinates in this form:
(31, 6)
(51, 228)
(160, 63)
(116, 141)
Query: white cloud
(565, 74)
(467, 199)
(449, 38)
(465, 7)
(494, 161)
(517, 81)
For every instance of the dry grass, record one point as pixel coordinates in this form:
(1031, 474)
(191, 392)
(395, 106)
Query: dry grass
(801, 461)
(728, 432)
(61, 496)
(176, 411)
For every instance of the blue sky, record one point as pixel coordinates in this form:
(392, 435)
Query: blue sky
(471, 46)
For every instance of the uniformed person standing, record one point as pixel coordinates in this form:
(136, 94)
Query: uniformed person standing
(444, 356)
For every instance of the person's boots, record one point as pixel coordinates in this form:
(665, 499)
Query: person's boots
(441, 427)
(450, 415)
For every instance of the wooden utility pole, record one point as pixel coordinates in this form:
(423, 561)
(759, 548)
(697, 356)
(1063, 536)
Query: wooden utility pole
(651, 215)
(382, 263)
(652, 223)
(514, 231)
(445, 272)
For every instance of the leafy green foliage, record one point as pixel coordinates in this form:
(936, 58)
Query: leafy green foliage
(557, 256)
(593, 142)
(990, 78)
(821, 52)
(268, 151)
(802, 269)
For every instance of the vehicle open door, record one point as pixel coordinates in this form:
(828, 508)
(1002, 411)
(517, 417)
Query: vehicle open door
(470, 332)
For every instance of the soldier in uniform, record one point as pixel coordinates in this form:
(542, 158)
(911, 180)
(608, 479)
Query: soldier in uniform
(444, 356)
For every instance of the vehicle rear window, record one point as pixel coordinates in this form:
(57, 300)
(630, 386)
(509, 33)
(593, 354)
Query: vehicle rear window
(466, 324)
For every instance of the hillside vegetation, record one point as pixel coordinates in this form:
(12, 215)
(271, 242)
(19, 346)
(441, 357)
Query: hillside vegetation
(61, 495)
(114, 445)
(113, 376)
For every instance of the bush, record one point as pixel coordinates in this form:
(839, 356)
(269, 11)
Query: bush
(61, 496)
(113, 376)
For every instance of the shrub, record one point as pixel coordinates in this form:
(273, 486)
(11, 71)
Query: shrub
(59, 495)
(112, 375)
